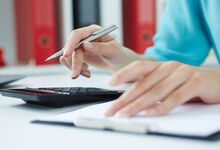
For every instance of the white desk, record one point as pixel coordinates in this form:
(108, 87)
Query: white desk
(17, 133)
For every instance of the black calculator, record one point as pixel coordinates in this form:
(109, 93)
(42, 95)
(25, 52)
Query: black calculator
(62, 96)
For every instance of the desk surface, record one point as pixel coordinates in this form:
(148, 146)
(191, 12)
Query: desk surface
(16, 131)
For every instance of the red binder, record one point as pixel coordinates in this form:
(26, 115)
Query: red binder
(35, 30)
(2, 62)
(139, 24)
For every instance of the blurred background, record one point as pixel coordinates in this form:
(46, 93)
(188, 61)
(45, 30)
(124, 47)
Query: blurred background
(32, 30)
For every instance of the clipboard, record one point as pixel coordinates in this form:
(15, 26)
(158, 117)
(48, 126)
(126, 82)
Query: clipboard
(89, 118)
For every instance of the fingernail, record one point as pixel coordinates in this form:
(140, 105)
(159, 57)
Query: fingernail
(108, 113)
(112, 82)
(124, 113)
(74, 75)
(88, 45)
(151, 112)
(121, 115)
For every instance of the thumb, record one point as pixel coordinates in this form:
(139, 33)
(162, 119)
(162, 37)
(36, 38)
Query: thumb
(106, 49)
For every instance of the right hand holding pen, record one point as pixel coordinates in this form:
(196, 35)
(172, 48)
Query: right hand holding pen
(103, 53)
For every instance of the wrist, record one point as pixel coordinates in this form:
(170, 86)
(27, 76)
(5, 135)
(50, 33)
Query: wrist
(125, 57)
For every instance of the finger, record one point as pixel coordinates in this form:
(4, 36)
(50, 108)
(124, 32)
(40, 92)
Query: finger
(106, 38)
(68, 60)
(63, 61)
(133, 71)
(178, 97)
(85, 65)
(86, 73)
(77, 63)
(106, 49)
(142, 86)
(159, 91)
(76, 36)
(80, 34)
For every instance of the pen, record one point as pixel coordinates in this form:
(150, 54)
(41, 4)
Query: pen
(93, 37)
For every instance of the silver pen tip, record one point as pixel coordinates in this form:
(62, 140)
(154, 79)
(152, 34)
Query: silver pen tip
(56, 55)
(49, 58)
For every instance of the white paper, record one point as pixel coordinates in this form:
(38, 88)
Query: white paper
(195, 119)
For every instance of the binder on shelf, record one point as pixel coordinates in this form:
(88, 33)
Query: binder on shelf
(36, 31)
(2, 62)
(64, 15)
(86, 12)
(108, 9)
(7, 33)
(139, 24)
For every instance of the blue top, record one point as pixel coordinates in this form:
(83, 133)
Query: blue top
(187, 32)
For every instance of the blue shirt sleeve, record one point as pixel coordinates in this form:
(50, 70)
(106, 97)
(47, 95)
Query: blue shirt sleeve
(182, 35)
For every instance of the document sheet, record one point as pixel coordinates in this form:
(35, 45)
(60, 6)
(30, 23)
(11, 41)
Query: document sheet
(191, 119)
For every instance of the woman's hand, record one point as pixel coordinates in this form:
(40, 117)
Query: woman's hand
(103, 53)
(162, 87)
